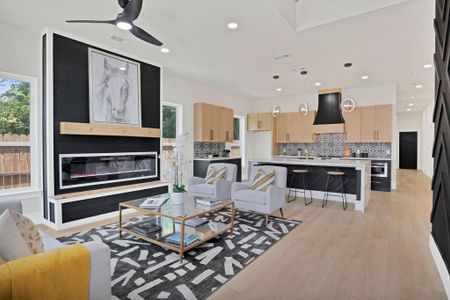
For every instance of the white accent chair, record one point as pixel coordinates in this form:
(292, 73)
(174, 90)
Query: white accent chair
(265, 202)
(220, 190)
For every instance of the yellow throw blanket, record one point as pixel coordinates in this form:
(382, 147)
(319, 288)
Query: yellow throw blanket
(62, 273)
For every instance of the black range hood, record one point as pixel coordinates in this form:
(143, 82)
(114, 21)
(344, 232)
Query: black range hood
(329, 110)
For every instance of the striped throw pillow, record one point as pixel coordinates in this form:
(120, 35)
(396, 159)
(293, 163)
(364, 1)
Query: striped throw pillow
(261, 181)
(214, 174)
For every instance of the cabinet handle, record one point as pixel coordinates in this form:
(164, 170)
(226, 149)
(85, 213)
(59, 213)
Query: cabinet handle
(259, 124)
(228, 136)
(211, 135)
(288, 137)
(374, 135)
(377, 135)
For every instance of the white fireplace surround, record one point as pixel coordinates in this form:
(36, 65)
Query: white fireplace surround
(154, 171)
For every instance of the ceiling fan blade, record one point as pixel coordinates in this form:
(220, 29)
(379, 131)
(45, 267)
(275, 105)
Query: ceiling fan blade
(143, 35)
(132, 10)
(93, 21)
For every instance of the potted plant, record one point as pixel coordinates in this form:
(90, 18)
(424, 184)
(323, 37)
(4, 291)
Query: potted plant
(179, 189)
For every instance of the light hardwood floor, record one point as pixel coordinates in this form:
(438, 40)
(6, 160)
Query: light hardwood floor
(336, 254)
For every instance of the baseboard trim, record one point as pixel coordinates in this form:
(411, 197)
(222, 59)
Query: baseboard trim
(440, 264)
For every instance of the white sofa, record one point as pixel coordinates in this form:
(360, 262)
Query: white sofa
(220, 190)
(265, 202)
(100, 258)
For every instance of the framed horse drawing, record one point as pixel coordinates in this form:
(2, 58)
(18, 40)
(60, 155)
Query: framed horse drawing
(114, 89)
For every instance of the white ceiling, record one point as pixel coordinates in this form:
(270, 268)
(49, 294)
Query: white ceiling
(389, 44)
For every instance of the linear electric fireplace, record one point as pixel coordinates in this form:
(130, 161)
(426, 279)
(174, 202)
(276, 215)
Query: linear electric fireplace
(87, 169)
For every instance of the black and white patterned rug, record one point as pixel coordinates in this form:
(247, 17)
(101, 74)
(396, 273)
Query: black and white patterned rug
(143, 271)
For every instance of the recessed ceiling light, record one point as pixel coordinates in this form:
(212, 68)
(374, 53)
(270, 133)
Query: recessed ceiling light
(408, 109)
(412, 97)
(165, 50)
(419, 86)
(124, 25)
(317, 84)
(427, 66)
(279, 89)
(411, 104)
(348, 65)
(364, 77)
(233, 25)
(276, 76)
(122, 68)
(304, 72)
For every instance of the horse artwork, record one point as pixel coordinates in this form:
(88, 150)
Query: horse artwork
(114, 84)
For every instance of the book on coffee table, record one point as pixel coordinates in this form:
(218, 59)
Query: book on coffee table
(176, 237)
(146, 228)
(195, 222)
(155, 201)
(207, 201)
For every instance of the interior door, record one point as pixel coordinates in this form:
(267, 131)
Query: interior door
(408, 150)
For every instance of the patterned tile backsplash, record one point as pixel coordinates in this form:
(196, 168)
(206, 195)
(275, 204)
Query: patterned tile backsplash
(332, 144)
(203, 149)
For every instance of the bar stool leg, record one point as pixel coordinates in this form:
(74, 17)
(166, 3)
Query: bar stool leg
(344, 197)
(295, 191)
(304, 192)
(325, 195)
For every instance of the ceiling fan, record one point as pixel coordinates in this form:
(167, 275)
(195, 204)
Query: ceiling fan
(124, 20)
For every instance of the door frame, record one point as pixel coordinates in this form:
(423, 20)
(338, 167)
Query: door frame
(419, 166)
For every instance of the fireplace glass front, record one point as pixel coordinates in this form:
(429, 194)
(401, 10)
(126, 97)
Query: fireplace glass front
(77, 170)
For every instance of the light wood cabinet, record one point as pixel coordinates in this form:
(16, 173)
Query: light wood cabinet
(353, 126)
(226, 124)
(294, 127)
(308, 135)
(376, 124)
(212, 123)
(259, 122)
(384, 123)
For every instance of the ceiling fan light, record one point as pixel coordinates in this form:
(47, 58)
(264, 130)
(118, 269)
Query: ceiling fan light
(124, 25)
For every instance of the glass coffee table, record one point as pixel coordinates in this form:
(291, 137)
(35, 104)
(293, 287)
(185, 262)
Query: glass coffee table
(174, 218)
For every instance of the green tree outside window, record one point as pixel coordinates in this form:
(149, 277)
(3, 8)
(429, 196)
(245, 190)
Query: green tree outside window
(169, 122)
(14, 107)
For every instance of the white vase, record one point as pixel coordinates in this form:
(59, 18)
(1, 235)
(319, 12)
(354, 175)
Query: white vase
(178, 198)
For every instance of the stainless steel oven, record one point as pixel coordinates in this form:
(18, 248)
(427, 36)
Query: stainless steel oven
(380, 169)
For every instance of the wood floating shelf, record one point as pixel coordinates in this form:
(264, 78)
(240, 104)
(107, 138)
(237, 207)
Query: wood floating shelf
(73, 128)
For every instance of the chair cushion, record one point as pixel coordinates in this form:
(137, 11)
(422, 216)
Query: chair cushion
(50, 242)
(215, 174)
(261, 181)
(203, 188)
(250, 196)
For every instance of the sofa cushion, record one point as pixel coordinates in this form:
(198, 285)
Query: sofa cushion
(50, 242)
(12, 245)
(203, 188)
(251, 196)
(29, 232)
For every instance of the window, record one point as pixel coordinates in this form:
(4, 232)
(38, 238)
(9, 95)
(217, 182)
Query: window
(171, 126)
(16, 138)
(236, 128)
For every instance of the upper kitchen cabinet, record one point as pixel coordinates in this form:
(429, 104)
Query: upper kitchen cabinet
(376, 124)
(308, 135)
(212, 123)
(226, 124)
(294, 127)
(260, 122)
(353, 126)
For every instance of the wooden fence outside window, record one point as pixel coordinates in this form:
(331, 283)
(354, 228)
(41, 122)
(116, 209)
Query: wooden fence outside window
(14, 161)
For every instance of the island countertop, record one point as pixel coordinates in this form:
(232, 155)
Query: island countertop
(342, 163)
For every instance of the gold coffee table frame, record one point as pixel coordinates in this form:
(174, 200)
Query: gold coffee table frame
(194, 210)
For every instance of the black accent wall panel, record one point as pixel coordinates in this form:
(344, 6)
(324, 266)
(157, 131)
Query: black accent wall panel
(71, 104)
(73, 211)
(440, 215)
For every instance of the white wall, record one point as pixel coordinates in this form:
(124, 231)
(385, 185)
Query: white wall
(427, 140)
(412, 122)
(375, 95)
(186, 92)
(20, 54)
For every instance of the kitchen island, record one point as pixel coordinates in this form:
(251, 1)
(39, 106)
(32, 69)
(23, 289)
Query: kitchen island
(357, 178)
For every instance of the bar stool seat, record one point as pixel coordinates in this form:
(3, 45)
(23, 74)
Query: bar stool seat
(303, 173)
(335, 174)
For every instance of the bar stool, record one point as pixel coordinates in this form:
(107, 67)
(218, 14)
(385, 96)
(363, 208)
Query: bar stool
(303, 173)
(335, 174)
